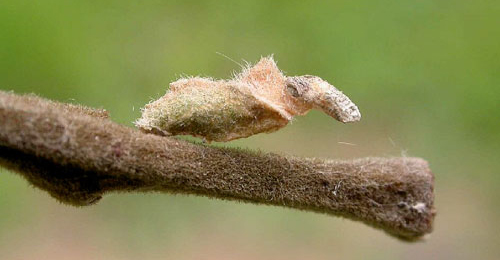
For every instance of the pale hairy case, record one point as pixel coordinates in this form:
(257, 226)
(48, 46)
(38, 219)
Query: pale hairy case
(259, 99)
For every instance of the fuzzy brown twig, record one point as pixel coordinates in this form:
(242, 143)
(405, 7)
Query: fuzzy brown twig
(77, 155)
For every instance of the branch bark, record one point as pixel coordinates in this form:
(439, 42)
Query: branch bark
(77, 154)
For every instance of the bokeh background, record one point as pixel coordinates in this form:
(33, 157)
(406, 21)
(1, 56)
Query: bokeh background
(425, 75)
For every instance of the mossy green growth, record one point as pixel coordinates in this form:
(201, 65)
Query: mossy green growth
(213, 113)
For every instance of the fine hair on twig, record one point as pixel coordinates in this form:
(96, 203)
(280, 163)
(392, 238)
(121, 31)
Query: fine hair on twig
(77, 155)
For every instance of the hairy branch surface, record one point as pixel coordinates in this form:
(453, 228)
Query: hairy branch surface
(77, 154)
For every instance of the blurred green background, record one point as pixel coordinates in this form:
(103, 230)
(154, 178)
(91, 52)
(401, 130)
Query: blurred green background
(425, 75)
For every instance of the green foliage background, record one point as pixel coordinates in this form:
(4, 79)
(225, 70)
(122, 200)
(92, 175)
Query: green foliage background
(425, 75)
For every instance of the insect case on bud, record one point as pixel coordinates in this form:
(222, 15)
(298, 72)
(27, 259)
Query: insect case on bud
(259, 99)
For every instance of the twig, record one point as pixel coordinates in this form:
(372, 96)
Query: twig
(77, 154)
